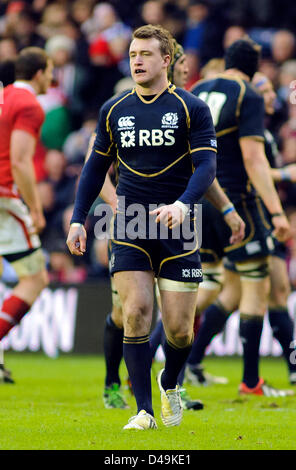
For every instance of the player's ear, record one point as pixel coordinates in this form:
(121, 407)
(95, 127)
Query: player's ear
(166, 60)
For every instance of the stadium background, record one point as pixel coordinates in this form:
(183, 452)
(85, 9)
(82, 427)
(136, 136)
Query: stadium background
(88, 42)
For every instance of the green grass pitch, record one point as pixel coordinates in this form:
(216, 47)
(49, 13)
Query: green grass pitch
(57, 404)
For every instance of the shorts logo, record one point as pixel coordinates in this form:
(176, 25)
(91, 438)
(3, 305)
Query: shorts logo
(126, 122)
(253, 247)
(127, 139)
(214, 143)
(191, 273)
(170, 120)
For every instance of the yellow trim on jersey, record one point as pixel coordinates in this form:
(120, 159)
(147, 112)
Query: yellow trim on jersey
(261, 213)
(102, 153)
(203, 148)
(258, 138)
(151, 175)
(172, 91)
(111, 109)
(242, 85)
(135, 246)
(251, 235)
(226, 131)
(155, 97)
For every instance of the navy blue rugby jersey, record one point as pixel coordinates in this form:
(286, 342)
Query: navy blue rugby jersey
(237, 111)
(271, 148)
(153, 142)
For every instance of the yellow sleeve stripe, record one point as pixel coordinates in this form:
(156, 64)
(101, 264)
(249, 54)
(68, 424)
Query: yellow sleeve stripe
(203, 148)
(102, 153)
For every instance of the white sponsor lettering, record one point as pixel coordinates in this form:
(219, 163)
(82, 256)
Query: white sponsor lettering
(156, 137)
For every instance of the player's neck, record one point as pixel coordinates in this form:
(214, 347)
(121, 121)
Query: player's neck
(152, 88)
(238, 73)
(31, 84)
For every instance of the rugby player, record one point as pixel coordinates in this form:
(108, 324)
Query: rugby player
(244, 172)
(113, 332)
(278, 316)
(160, 133)
(21, 117)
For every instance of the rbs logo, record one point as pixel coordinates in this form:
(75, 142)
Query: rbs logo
(156, 137)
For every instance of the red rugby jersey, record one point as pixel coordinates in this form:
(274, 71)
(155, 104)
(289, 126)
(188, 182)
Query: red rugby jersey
(20, 110)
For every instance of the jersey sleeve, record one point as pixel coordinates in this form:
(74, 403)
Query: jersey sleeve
(251, 119)
(29, 119)
(202, 134)
(104, 144)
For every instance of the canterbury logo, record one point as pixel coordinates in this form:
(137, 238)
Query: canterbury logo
(126, 121)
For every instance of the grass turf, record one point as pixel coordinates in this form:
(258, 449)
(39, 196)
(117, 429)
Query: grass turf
(56, 404)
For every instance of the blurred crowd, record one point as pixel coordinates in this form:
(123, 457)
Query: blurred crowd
(88, 43)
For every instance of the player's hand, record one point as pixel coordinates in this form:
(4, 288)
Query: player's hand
(170, 215)
(282, 229)
(76, 240)
(38, 220)
(237, 226)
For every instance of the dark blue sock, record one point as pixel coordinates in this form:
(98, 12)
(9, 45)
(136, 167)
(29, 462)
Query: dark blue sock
(283, 330)
(175, 360)
(250, 334)
(156, 337)
(113, 337)
(181, 376)
(137, 356)
(212, 323)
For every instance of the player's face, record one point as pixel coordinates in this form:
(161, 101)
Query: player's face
(181, 71)
(45, 78)
(269, 96)
(146, 62)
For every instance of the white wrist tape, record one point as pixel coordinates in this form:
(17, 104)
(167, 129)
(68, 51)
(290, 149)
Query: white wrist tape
(185, 209)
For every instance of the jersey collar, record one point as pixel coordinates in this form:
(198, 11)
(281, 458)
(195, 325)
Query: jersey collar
(167, 87)
(25, 86)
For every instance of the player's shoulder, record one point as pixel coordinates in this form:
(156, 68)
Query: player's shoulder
(116, 99)
(191, 101)
(252, 94)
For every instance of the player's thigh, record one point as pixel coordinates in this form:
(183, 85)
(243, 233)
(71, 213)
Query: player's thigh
(211, 286)
(136, 292)
(178, 307)
(279, 282)
(230, 295)
(255, 285)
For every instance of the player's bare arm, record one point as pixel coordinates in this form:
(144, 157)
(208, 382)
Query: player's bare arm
(258, 169)
(22, 148)
(217, 197)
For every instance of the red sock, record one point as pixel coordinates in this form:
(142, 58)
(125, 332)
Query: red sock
(12, 311)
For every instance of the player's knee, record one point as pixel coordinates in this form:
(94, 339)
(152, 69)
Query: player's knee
(180, 338)
(136, 316)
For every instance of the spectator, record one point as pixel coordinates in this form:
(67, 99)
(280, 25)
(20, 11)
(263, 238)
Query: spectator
(8, 49)
(283, 46)
(76, 144)
(232, 34)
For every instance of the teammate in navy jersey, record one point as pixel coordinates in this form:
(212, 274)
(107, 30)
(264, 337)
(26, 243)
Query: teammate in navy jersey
(243, 171)
(278, 315)
(159, 141)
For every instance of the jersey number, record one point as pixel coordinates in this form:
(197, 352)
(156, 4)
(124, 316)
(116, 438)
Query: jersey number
(215, 101)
